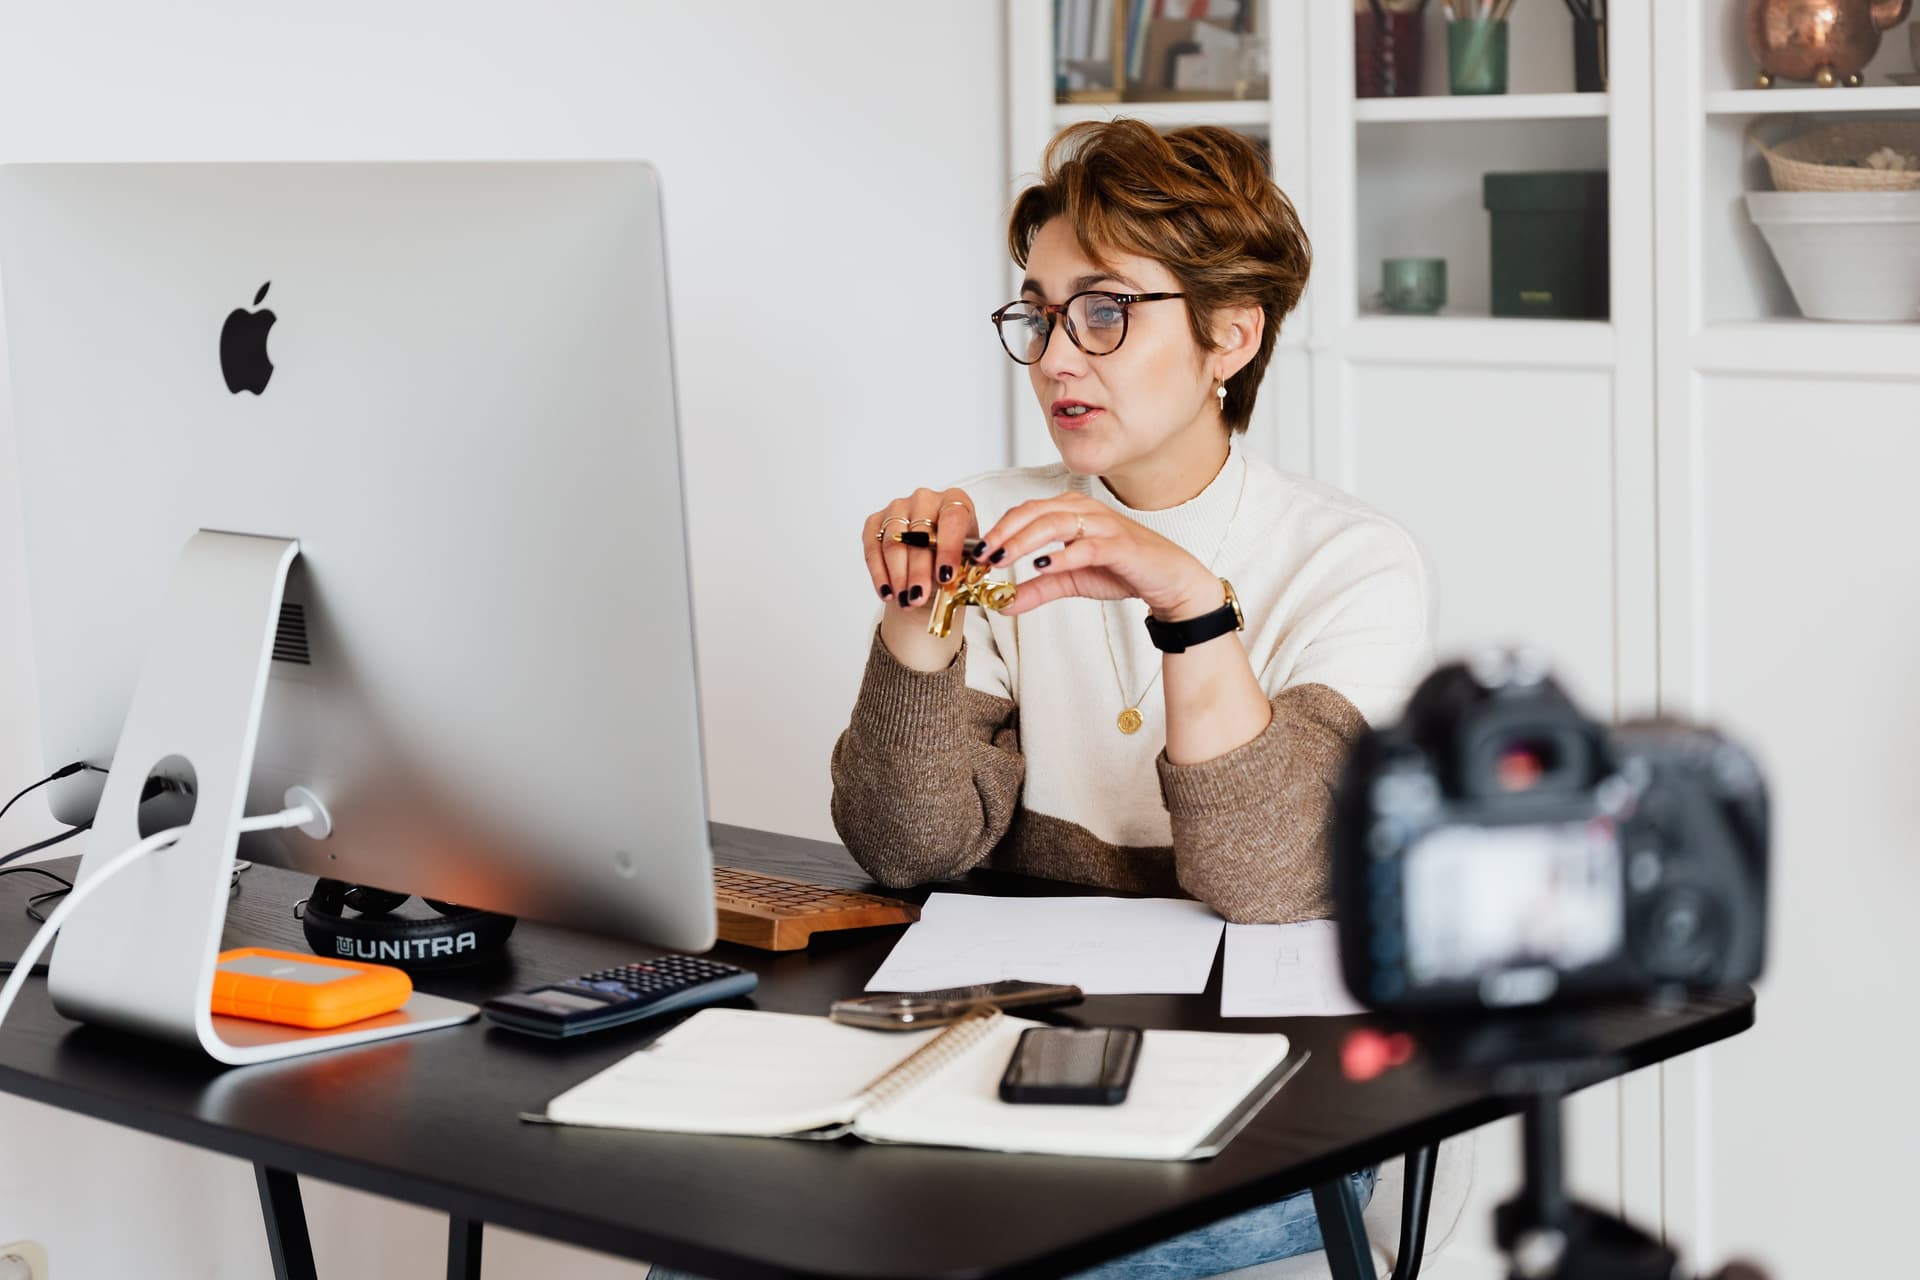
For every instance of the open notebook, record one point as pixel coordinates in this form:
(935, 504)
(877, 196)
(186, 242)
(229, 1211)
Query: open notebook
(743, 1071)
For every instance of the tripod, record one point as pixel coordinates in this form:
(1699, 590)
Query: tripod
(1545, 1234)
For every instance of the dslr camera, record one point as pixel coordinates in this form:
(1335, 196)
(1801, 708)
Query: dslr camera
(1497, 849)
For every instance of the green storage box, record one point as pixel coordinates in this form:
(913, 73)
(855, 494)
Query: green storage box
(1549, 244)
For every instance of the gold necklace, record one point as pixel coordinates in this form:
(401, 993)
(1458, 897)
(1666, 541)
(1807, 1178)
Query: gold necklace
(1130, 720)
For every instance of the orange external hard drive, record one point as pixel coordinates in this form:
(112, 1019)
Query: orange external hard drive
(304, 991)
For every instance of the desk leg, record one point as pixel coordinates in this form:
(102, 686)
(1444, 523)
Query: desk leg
(1416, 1198)
(286, 1224)
(1349, 1256)
(463, 1248)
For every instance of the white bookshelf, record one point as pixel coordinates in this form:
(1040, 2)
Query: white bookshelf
(1785, 101)
(1781, 439)
(1435, 108)
(1235, 113)
(1464, 341)
(1736, 312)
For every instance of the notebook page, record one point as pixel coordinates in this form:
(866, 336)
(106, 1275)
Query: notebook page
(740, 1071)
(1184, 1085)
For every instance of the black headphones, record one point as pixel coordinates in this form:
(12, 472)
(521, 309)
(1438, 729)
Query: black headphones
(456, 937)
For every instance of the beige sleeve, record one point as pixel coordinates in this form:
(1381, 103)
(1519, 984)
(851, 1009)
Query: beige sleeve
(1250, 827)
(927, 776)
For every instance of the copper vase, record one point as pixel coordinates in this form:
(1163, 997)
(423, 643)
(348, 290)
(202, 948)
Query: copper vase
(1825, 41)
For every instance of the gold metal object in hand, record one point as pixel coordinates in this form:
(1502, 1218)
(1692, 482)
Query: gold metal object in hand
(971, 587)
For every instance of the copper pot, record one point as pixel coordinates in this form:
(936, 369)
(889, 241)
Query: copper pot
(1825, 41)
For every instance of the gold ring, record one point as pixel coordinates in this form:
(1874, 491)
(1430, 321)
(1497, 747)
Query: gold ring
(880, 535)
(1079, 527)
(957, 503)
(912, 523)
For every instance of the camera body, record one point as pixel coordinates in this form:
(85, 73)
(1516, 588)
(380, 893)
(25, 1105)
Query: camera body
(1498, 849)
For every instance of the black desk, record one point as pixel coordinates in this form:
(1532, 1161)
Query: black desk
(430, 1119)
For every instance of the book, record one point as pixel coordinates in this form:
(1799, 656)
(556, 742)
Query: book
(749, 1072)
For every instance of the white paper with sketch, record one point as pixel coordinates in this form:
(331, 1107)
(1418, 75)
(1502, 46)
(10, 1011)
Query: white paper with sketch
(1104, 946)
(1284, 971)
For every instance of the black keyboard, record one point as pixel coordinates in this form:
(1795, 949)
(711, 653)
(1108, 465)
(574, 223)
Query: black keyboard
(615, 997)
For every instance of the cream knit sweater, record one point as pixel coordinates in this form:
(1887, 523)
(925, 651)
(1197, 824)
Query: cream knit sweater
(1011, 757)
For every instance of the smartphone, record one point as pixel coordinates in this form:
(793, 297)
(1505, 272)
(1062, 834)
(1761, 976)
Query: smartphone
(1075, 1066)
(914, 1010)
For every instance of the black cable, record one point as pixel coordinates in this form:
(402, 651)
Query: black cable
(38, 871)
(39, 900)
(66, 885)
(64, 771)
(48, 843)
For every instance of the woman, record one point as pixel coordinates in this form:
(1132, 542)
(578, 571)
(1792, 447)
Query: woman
(1062, 737)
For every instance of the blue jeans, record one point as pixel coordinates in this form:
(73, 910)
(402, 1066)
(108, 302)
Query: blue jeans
(1282, 1229)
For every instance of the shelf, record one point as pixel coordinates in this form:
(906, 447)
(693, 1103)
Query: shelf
(1798, 348)
(1234, 113)
(1478, 340)
(1435, 108)
(1769, 102)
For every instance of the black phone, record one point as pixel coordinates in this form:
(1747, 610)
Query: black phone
(1074, 1066)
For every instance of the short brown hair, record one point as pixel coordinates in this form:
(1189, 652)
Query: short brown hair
(1199, 200)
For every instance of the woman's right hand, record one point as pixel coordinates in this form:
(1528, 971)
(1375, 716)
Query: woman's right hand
(907, 578)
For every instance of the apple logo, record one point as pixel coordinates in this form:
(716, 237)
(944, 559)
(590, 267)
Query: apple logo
(243, 347)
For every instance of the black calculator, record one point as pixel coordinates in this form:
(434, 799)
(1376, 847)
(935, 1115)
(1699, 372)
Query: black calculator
(614, 997)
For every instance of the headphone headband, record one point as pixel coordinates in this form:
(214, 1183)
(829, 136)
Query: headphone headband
(456, 937)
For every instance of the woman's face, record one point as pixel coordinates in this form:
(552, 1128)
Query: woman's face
(1149, 402)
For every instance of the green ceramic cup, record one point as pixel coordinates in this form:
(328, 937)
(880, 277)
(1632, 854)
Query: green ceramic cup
(1414, 286)
(1477, 56)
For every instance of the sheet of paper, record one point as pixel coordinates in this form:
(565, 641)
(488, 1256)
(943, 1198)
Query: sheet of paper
(1284, 971)
(1104, 946)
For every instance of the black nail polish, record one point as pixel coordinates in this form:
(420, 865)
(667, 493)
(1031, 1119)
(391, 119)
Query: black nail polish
(996, 557)
(980, 552)
(906, 599)
(886, 590)
(917, 592)
(1043, 562)
(946, 573)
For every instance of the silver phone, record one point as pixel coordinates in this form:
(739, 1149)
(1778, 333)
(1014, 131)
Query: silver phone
(912, 1011)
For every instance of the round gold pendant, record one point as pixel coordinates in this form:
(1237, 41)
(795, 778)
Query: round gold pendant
(1130, 720)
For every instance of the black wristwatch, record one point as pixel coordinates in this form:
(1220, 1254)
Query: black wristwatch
(1178, 637)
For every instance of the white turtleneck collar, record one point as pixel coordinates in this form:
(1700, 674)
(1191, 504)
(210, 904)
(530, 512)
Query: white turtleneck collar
(1200, 523)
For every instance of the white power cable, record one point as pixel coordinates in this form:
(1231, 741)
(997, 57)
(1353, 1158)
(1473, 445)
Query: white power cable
(294, 816)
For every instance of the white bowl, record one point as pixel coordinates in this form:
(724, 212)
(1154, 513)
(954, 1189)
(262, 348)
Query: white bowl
(1847, 255)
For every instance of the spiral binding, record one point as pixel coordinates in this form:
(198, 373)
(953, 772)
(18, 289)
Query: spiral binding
(929, 1058)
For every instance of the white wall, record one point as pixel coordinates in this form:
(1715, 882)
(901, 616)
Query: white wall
(851, 150)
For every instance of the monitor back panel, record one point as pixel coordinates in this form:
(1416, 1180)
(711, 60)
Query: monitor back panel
(486, 662)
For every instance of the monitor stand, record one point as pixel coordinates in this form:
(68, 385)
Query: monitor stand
(139, 955)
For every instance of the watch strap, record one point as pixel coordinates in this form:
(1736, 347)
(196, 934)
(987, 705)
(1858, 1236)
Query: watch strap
(1178, 637)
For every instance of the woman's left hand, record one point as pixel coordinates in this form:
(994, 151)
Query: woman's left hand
(1106, 557)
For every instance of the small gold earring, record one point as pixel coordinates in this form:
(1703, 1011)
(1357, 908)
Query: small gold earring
(1221, 391)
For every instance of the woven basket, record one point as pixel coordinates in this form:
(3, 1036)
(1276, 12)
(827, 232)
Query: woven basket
(1831, 157)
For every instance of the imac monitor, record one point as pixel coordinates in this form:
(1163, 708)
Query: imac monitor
(448, 387)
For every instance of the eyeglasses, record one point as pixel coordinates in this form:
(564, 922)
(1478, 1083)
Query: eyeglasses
(1096, 323)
